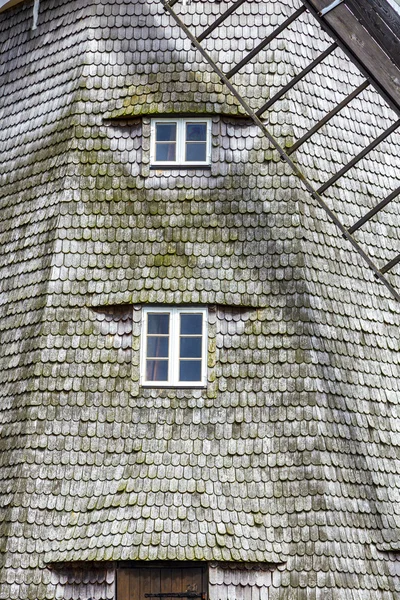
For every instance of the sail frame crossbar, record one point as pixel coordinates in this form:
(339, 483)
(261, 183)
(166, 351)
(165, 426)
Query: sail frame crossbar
(293, 17)
(314, 193)
(220, 19)
(328, 117)
(374, 210)
(296, 79)
(391, 264)
(359, 156)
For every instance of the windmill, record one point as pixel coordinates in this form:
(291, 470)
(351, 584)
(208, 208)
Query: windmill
(369, 37)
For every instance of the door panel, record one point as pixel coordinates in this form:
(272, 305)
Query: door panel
(133, 583)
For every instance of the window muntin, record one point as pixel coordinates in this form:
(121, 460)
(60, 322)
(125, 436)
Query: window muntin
(196, 142)
(157, 351)
(174, 347)
(165, 142)
(180, 141)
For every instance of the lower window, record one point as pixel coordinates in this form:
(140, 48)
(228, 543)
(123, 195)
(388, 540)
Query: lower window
(174, 347)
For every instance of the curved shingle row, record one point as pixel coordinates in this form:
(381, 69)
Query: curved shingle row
(289, 456)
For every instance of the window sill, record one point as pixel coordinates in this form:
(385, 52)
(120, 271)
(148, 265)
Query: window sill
(168, 386)
(167, 167)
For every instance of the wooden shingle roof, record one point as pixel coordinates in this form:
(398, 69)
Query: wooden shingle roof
(290, 456)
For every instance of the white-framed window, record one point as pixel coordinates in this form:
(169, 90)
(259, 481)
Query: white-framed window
(174, 346)
(183, 141)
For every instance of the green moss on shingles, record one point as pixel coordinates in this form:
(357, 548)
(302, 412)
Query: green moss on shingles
(162, 260)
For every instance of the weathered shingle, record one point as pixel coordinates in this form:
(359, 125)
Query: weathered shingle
(290, 456)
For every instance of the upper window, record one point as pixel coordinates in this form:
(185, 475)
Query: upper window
(174, 347)
(178, 142)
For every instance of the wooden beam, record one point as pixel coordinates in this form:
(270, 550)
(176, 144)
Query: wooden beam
(361, 48)
(374, 210)
(296, 79)
(359, 156)
(328, 116)
(382, 22)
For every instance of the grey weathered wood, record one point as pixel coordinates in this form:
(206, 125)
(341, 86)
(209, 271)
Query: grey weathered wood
(353, 37)
(382, 22)
(327, 117)
(296, 79)
(374, 210)
(267, 41)
(291, 454)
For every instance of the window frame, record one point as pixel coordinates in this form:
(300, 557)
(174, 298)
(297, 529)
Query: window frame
(174, 346)
(180, 142)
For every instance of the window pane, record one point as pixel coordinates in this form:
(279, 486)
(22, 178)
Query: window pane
(190, 347)
(156, 370)
(191, 324)
(165, 151)
(157, 346)
(165, 132)
(157, 323)
(196, 132)
(190, 370)
(196, 151)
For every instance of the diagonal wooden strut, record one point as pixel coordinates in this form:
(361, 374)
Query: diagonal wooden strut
(391, 264)
(267, 41)
(296, 171)
(296, 79)
(374, 210)
(359, 156)
(328, 117)
(220, 20)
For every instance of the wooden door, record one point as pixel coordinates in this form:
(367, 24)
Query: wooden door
(166, 582)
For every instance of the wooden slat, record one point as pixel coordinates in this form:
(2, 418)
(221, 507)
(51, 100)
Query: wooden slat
(192, 577)
(383, 23)
(374, 211)
(148, 582)
(167, 579)
(296, 79)
(220, 20)
(266, 41)
(359, 157)
(155, 580)
(187, 580)
(391, 264)
(327, 117)
(361, 48)
(123, 580)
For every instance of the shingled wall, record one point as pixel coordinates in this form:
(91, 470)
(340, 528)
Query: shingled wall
(39, 76)
(290, 455)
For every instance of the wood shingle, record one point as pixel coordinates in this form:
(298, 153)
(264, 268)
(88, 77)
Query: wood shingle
(282, 473)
